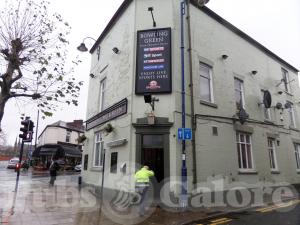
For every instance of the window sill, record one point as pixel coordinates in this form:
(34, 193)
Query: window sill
(294, 129)
(96, 169)
(275, 172)
(245, 171)
(210, 104)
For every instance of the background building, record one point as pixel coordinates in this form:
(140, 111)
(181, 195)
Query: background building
(60, 140)
(66, 133)
(228, 76)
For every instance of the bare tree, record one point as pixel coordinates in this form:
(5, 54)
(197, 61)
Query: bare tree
(33, 57)
(3, 140)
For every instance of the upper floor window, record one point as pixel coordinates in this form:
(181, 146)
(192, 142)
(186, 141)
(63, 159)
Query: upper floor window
(297, 155)
(286, 80)
(244, 148)
(68, 136)
(272, 154)
(98, 150)
(266, 111)
(291, 113)
(239, 93)
(206, 84)
(102, 95)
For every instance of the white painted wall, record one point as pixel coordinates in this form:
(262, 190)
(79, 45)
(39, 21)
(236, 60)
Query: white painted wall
(52, 135)
(215, 155)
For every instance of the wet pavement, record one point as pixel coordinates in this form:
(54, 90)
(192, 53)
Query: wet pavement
(31, 201)
(36, 203)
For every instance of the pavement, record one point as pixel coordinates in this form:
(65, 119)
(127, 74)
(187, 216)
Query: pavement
(32, 201)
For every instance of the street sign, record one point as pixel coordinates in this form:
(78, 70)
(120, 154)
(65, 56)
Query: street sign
(180, 133)
(184, 134)
(187, 134)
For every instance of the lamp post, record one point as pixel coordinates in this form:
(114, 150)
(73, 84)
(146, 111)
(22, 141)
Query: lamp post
(183, 3)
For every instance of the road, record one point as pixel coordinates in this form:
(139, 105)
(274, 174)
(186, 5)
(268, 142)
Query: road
(281, 214)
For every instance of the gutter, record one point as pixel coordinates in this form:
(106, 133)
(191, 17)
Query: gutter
(193, 120)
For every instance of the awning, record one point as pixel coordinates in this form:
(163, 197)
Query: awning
(58, 151)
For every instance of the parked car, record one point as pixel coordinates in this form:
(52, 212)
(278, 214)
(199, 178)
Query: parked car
(12, 163)
(77, 168)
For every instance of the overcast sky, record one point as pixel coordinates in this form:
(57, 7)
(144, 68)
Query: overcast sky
(273, 23)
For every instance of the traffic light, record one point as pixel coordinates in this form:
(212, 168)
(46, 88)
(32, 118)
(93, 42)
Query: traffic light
(30, 126)
(24, 129)
(27, 130)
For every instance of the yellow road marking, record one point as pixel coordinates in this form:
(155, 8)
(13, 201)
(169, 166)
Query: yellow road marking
(281, 205)
(266, 208)
(220, 221)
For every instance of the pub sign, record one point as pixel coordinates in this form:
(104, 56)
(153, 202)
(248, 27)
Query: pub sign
(153, 71)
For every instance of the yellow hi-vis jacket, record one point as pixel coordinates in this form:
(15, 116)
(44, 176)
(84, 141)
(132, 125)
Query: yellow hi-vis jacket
(142, 176)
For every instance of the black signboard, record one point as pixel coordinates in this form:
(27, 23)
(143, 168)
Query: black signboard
(153, 72)
(111, 113)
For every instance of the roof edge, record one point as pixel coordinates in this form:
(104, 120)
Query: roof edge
(243, 35)
(111, 23)
(57, 126)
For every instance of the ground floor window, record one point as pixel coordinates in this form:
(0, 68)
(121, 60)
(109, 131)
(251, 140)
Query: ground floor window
(98, 150)
(297, 154)
(272, 154)
(244, 151)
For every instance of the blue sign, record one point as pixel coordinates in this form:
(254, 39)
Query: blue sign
(180, 133)
(184, 134)
(187, 134)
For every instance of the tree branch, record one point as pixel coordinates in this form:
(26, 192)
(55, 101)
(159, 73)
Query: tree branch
(34, 96)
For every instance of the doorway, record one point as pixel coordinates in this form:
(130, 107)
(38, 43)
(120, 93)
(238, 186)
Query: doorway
(152, 146)
(152, 154)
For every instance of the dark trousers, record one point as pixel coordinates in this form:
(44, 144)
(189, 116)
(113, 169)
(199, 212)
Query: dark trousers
(52, 180)
(143, 193)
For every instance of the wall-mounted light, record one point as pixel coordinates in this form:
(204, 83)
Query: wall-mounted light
(92, 75)
(254, 72)
(224, 57)
(82, 46)
(150, 9)
(116, 50)
(150, 100)
(280, 92)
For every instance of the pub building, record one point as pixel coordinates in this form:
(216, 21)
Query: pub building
(238, 101)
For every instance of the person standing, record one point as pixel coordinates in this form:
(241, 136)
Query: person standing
(142, 184)
(54, 167)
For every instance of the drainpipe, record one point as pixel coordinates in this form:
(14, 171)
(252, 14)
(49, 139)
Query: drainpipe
(193, 120)
(183, 199)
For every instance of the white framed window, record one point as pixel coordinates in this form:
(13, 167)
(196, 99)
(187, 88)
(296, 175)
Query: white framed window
(98, 150)
(102, 95)
(297, 155)
(68, 136)
(272, 154)
(286, 80)
(206, 83)
(266, 111)
(239, 93)
(244, 148)
(291, 112)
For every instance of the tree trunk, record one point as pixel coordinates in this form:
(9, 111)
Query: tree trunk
(3, 101)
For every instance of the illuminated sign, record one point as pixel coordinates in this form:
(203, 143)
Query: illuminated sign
(153, 72)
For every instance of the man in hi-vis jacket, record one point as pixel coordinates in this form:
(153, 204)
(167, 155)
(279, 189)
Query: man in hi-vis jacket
(142, 183)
